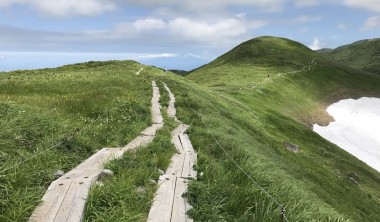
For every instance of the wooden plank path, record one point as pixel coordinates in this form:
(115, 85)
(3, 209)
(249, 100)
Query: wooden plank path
(66, 197)
(169, 204)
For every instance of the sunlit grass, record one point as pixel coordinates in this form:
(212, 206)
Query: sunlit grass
(63, 115)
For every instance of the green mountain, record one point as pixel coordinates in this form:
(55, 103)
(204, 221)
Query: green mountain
(364, 55)
(265, 113)
(250, 113)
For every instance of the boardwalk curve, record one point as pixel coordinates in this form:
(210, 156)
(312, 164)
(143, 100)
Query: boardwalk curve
(169, 204)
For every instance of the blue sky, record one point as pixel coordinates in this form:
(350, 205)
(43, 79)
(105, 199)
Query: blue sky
(171, 33)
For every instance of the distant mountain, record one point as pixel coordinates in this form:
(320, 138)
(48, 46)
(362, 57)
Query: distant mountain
(364, 55)
(267, 50)
(324, 50)
(179, 72)
(254, 60)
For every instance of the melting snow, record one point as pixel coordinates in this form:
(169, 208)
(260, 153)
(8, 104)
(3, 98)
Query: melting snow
(356, 128)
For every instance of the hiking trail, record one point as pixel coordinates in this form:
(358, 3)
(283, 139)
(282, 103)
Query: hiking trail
(65, 199)
(169, 204)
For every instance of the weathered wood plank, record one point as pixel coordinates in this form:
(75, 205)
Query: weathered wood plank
(180, 204)
(193, 156)
(155, 109)
(162, 206)
(181, 168)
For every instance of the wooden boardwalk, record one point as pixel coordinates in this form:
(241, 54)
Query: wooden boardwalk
(66, 197)
(169, 204)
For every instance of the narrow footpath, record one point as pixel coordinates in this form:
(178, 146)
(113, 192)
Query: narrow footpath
(308, 67)
(169, 204)
(66, 197)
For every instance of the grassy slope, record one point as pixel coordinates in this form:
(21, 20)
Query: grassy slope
(129, 194)
(363, 55)
(253, 123)
(64, 115)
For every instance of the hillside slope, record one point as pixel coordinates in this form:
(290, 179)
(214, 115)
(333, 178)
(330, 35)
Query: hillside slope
(262, 113)
(364, 55)
(53, 119)
(241, 112)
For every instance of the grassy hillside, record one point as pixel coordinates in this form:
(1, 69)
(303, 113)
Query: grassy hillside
(240, 119)
(252, 116)
(52, 119)
(364, 55)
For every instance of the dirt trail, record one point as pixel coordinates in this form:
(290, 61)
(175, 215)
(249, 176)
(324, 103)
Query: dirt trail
(65, 199)
(169, 205)
(308, 67)
(138, 72)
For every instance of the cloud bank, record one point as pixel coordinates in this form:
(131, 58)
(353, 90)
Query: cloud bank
(64, 8)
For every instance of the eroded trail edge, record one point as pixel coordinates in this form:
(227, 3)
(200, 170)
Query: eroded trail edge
(169, 203)
(66, 197)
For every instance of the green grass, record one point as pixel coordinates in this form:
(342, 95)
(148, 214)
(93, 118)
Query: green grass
(253, 123)
(119, 199)
(223, 109)
(53, 119)
(129, 194)
(362, 55)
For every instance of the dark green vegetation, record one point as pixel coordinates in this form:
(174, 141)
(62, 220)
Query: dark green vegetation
(250, 101)
(179, 72)
(364, 55)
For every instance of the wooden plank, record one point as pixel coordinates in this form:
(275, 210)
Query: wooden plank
(179, 203)
(163, 201)
(152, 130)
(193, 156)
(155, 105)
(72, 208)
(52, 201)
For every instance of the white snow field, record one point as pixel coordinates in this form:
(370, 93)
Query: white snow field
(356, 128)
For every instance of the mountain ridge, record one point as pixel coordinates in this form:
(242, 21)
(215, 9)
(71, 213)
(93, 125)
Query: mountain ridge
(363, 54)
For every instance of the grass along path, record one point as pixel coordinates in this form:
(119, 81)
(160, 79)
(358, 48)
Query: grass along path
(170, 204)
(305, 68)
(66, 197)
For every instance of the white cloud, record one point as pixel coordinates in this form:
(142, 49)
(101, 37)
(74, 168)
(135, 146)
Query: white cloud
(64, 8)
(3, 56)
(342, 26)
(241, 15)
(179, 31)
(370, 5)
(216, 5)
(371, 23)
(149, 24)
(207, 31)
(316, 44)
(305, 3)
(160, 55)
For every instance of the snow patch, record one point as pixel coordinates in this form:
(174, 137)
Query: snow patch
(356, 128)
